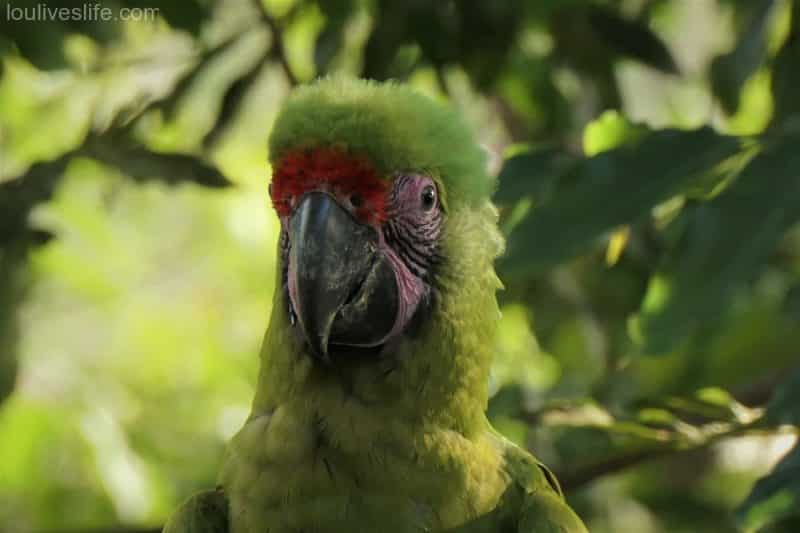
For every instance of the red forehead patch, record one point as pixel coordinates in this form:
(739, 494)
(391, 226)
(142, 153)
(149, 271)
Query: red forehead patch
(334, 171)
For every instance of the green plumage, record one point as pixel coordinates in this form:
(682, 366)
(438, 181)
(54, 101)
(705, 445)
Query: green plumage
(401, 444)
(396, 128)
(206, 512)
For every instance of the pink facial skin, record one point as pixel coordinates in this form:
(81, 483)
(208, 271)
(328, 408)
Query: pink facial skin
(408, 236)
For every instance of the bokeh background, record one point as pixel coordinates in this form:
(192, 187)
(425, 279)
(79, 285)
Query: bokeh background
(649, 161)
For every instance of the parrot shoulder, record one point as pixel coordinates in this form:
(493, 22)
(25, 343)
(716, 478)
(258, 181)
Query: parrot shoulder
(543, 508)
(546, 512)
(205, 512)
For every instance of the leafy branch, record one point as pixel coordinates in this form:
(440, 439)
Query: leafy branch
(278, 51)
(673, 426)
(573, 480)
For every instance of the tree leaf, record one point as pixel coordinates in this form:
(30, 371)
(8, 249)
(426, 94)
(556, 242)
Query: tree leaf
(231, 102)
(784, 406)
(486, 32)
(388, 35)
(724, 243)
(43, 48)
(610, 130)
(631, 38)
(169, 103)
(730, 71)
(610, 189)
(141, 163)
(330, 38)
(786, 73)
(14, 283)
(532, 173)
(775, 497)
(236, 65)
(19, 195)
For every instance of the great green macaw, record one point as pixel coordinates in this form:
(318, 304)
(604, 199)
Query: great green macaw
(369, 414)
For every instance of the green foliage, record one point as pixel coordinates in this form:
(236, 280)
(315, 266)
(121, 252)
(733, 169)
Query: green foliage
(647, 166)
(648, 172)
(730, 71)
(725, 242)
(784, 407)
(631, 38)
(785, 75)
(775, 498)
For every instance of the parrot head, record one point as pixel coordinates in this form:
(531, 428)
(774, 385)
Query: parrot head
(386, 285)
(365, 176)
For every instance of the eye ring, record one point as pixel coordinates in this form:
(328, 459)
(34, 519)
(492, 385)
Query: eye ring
(428, 198)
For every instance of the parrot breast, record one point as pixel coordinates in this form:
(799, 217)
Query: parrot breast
(293, 477)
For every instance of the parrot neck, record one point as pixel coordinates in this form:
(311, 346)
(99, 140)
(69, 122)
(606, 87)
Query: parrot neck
(436, 376)
(410, 427)
(413, 433)
(437, 379)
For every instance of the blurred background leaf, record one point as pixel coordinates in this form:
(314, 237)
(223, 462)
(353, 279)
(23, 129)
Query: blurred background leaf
(775, 499)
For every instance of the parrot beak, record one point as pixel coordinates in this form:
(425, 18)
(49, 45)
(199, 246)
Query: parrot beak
(342, 287)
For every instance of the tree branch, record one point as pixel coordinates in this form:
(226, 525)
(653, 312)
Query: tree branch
(587, 474)
(584, 476)
(277, 50)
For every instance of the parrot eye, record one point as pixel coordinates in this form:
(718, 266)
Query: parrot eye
(428, 198)
(356, 201)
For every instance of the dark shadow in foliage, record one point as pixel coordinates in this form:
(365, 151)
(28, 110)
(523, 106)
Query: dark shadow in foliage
(627, 182)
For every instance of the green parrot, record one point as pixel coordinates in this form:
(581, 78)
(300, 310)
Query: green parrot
(369, 414)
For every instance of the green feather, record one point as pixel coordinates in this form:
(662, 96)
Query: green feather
(206, 512)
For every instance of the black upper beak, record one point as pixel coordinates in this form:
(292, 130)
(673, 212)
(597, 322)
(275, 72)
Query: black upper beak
(342, 286)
